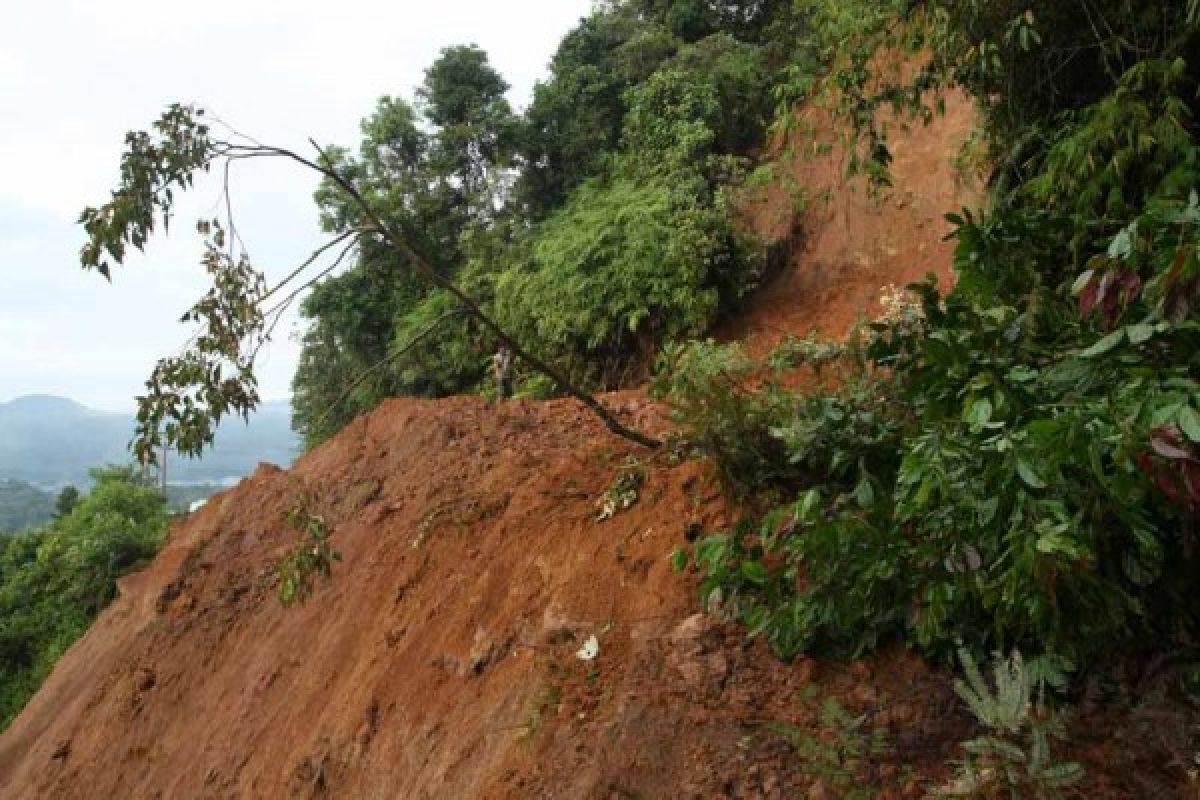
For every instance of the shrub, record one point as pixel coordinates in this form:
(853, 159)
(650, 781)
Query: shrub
(1014, 755)
(312, 557)
(624, 266)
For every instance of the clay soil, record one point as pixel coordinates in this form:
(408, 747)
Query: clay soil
(839, 243)
(441, 658)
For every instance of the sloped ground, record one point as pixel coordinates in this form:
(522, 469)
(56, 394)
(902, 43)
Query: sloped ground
(838, 243)
(440, 660)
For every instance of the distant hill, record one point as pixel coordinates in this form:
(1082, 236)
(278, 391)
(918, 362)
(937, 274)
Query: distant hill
(52, 441)
(23, 505)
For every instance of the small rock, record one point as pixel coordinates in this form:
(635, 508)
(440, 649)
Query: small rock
(691, 629)
(864, 697)
(557, 627)
(145, 679)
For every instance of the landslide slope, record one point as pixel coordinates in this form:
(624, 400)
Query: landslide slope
(441, 659)
(836, 244)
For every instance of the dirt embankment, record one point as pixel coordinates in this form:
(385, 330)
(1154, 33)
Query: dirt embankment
(441, 659)
(837, 244)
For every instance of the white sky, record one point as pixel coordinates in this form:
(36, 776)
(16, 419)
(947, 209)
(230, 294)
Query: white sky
(75, 75)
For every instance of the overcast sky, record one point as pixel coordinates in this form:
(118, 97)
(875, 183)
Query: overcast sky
(75, 75)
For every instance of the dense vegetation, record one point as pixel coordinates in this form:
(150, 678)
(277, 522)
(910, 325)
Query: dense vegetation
(595, 226)
(1018, 462)
(55, 579)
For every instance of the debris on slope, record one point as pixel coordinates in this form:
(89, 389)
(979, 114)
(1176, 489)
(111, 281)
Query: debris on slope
(835, 245)
(440, 660)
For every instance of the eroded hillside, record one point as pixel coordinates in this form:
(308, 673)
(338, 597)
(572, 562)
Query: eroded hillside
(441, 659)
(836, 243)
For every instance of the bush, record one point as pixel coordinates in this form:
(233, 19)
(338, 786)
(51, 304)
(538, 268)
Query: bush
(721, 413)
(624, 266)
(53, 581)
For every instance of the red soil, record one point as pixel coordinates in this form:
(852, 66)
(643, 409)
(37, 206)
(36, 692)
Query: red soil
(847, 243)
(440, 660)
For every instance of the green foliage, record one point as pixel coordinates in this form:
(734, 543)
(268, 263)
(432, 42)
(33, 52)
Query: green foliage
(574, 122)
(66, 501)
(614, 237)
(622, 267)
(54, 580)
(155, 165)
(723, 415)
(737, 71)
(441, 188)
(312, 556)
(475, 130)
(692, 20)
(188, 394)
(1014, 755)
(1021, 470)
(838, 751)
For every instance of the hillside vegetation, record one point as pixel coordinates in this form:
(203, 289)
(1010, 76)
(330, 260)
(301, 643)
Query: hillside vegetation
(56, 578)
(595, 226)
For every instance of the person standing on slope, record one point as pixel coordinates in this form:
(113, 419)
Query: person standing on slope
(502, 363)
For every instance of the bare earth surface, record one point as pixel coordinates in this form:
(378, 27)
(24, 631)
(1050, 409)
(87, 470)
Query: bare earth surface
(843, 243)
(441, 659)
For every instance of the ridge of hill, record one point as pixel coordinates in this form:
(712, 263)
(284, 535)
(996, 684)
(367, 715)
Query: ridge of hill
(50, 441)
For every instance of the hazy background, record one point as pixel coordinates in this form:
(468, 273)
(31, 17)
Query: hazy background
(75, 75)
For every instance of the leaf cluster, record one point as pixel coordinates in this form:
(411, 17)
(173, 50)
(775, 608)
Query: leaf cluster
(310, 558)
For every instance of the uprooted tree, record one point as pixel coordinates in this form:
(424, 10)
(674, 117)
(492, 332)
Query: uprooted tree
(188, 394)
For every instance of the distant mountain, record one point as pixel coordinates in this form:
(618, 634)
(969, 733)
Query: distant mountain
(23, 505)
(52, 441)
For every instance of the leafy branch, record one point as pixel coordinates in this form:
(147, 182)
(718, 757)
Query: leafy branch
(187, 395)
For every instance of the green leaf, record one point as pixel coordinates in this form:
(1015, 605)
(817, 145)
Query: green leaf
(1139, 333)
(864, 493)
(1022, 374)
(1104, 345)
(1028, 474)
(754, 572)
(1189, 423)
(679, 559)
(979, 413)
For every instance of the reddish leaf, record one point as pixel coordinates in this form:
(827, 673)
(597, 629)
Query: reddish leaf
(1169, 449)
(1089, 297)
